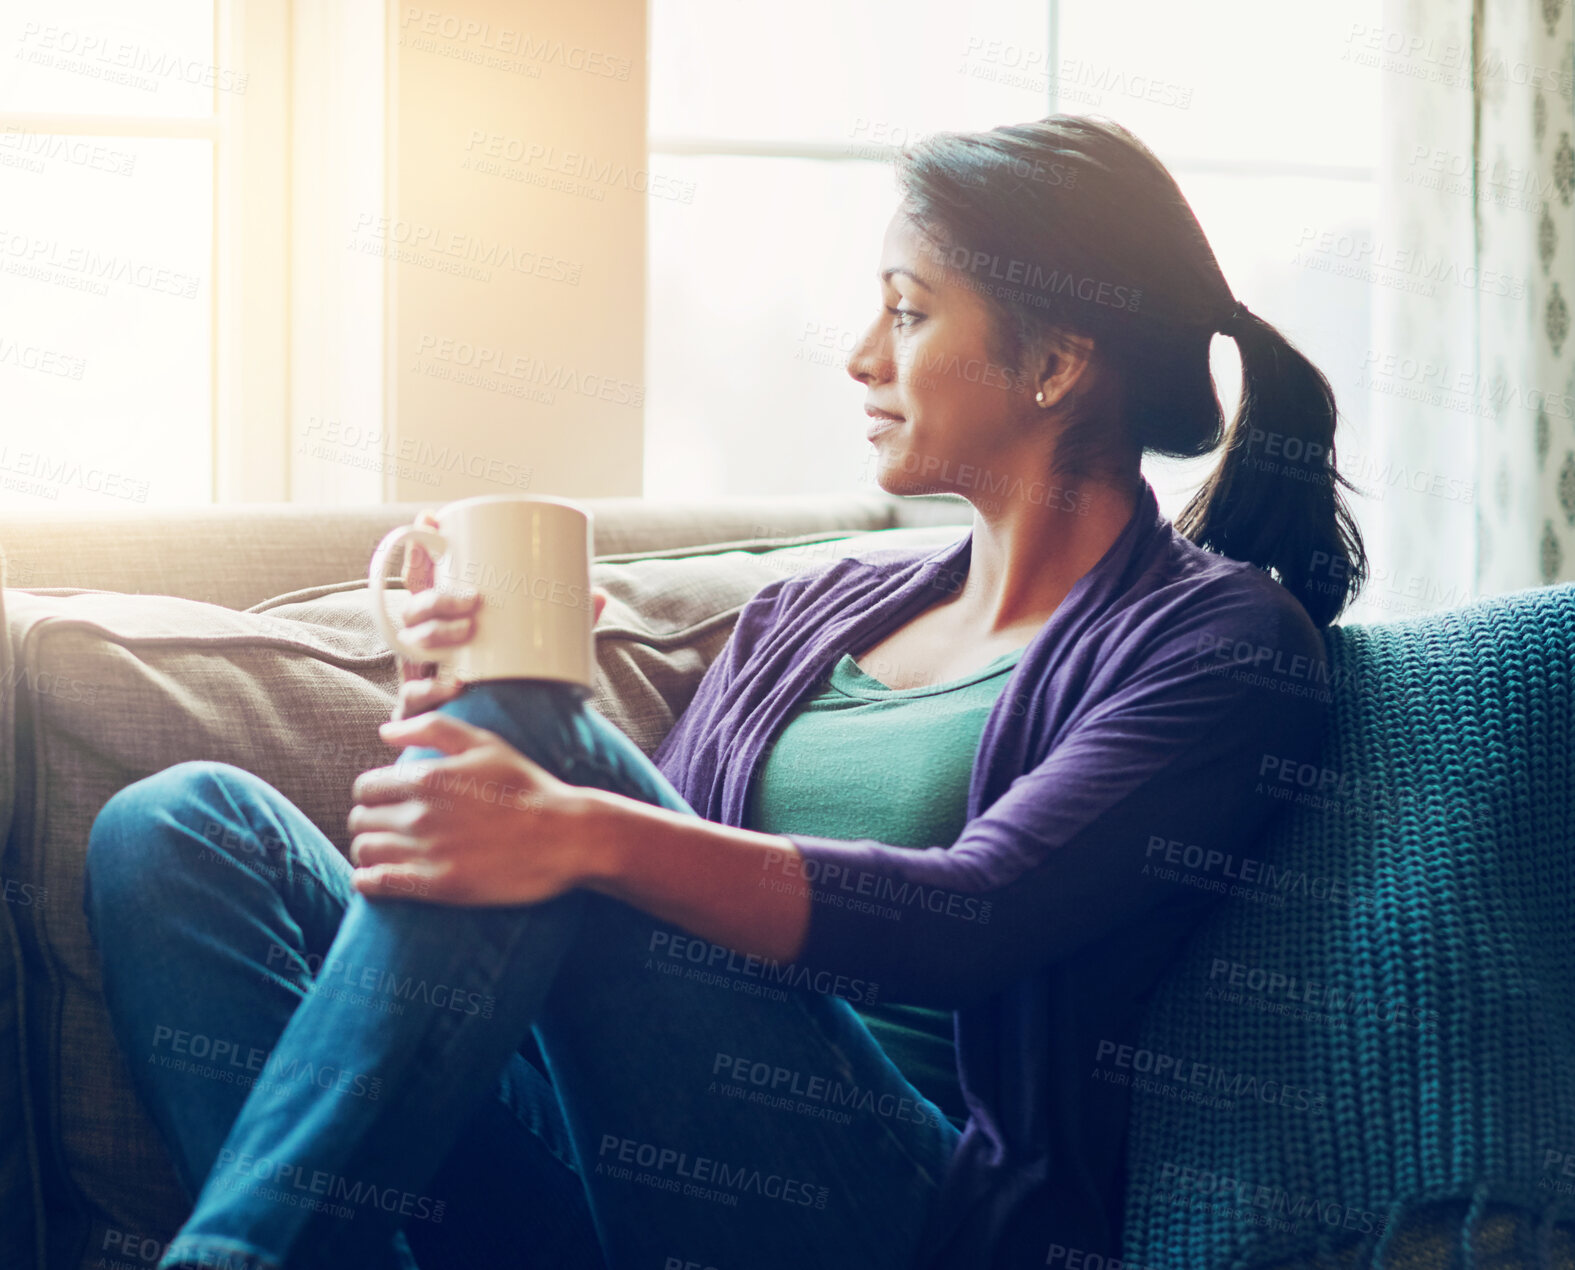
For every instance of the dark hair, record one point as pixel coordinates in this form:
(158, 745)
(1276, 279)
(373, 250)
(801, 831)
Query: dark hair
(1071, 225)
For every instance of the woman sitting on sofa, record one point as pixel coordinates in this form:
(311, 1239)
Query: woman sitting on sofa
(843, 978)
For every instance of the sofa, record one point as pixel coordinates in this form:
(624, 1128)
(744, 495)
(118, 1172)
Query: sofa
(133, 641)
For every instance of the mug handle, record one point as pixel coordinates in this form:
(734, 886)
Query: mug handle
(377, 584)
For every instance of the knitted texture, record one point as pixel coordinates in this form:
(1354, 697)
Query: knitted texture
(1365, 1056)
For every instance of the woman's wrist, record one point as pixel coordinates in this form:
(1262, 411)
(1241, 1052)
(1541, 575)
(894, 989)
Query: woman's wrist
(696, 873)
(613, 828)
(626, 837)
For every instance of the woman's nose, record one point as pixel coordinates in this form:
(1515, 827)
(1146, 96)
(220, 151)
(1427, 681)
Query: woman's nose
(866, 363)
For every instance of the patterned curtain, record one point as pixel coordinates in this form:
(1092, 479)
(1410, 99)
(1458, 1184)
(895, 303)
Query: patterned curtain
(1472, 365)
(1526, 229)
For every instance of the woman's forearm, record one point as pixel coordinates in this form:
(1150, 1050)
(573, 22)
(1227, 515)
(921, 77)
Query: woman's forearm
(721, 883)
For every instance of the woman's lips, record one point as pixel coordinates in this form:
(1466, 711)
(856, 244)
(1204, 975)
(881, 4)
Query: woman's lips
(880, 422)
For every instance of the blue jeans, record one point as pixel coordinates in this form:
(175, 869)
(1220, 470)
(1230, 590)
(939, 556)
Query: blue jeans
(346, 1083)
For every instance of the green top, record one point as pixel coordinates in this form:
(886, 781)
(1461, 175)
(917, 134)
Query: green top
(862, 760)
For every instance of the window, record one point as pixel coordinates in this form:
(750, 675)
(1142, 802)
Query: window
(108, 132)
(1270, 129)
(784, 125)
(177, 301)
(781, 122)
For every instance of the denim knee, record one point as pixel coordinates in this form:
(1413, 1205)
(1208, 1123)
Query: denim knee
(124, 848)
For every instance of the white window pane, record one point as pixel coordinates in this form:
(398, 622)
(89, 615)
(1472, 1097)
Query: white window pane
(111, 57)
(1278, 82)
(746, 342)
(105, 321)
(824, 70)
(746, 388)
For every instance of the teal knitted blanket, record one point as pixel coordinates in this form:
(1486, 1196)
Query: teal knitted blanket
(1366, 1055)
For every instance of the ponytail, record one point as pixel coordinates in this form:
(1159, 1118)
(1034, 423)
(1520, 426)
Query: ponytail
(1274, 499)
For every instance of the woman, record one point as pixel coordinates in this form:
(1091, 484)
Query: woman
(933, 790)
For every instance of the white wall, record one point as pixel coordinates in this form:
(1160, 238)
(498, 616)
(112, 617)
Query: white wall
(516, 239)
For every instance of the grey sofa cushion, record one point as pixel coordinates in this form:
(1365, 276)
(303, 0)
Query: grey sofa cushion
(148, 681)
(292, 690)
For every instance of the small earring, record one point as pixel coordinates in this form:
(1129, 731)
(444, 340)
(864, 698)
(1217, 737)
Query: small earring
(1040, 398)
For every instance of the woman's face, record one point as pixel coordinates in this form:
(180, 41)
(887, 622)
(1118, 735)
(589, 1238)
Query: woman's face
(945, 414)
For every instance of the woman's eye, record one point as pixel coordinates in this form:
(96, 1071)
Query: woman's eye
(905, 317)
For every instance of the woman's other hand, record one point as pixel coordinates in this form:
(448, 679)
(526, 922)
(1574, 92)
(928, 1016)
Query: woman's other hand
(432, 619)
(439, 619)
(483, 825)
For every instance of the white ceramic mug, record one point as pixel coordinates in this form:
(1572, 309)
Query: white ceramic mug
(529, 557)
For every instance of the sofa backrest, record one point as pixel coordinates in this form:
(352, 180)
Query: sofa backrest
(241, 554)
(1376, 1026)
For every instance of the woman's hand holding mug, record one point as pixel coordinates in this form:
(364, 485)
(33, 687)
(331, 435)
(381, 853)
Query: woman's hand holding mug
(439, 619)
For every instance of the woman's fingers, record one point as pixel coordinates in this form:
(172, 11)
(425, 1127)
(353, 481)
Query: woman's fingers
(413, 670)
(379, 810)
(417, 572)
(367, 849)
(417, 696)
(433, 618)
(439, 619)
(436, 604)
(430, 636)
(394, 881)
(380, 787)
(440, 633)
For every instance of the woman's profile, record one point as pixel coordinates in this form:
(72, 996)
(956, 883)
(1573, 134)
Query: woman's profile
(851, 971)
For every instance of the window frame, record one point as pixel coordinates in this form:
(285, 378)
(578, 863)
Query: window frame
(269, 367)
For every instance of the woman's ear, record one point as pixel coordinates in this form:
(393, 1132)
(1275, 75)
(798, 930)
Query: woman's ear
(1063, 359)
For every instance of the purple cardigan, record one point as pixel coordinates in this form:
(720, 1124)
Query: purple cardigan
(1129, 765)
